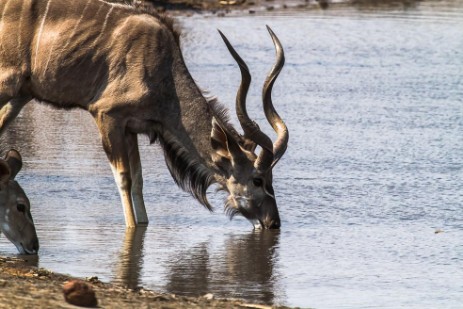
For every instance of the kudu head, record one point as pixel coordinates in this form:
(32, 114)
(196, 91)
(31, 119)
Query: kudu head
(15, 216)
(248, 176)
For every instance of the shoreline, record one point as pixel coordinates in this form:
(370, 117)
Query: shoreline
(26, 286)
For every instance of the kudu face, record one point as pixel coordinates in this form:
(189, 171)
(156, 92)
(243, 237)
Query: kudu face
(248, 176)
(251, 195)
(250, 191)
(15, 216)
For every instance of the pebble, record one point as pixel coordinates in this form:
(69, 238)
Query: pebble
(209, 296)
(79, 293)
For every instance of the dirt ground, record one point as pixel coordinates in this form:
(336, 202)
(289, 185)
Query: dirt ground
(25, 286)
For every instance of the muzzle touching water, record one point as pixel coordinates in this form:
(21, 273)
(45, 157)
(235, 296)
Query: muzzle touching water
(269, 217)
(263, 216)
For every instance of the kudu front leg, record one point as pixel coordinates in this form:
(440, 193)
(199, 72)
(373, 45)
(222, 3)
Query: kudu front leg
(137, 180)
(115, 146)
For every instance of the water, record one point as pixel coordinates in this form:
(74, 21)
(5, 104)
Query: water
(373, 100)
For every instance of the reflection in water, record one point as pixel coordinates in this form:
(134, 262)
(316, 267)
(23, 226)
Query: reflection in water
(244, 270)
(129, 268)
(251, 260)
(190, 273)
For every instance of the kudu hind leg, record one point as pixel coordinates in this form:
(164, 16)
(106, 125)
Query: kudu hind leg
(10, 101)
(114, 144)
(10, 110)
(137, 180)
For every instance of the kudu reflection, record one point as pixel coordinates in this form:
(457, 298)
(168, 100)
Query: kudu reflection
(123, 64)
(244, 270)
(130, 262)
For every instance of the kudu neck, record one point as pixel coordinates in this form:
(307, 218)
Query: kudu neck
(196, 116)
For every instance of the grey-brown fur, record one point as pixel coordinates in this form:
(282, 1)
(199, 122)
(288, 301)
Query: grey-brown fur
(15, 210)
(122, 64)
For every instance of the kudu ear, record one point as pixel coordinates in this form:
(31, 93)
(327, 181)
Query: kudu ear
(5, 171)
(226, 149)
(14, 161)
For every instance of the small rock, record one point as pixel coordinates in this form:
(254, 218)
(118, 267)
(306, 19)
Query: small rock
(93, 279)
(209, 296)
(438, 231)
(79, 293)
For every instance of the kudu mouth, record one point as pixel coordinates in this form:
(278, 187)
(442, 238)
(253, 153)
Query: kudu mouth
(31, 249)
(265, 216)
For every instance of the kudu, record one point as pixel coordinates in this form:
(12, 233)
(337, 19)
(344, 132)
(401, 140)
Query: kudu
(123, 64)
(15, 214)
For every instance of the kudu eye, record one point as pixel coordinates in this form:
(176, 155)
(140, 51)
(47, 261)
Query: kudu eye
(258, 182)
(21, 208)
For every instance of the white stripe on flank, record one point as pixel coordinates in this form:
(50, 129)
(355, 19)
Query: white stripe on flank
(104, 25)
(4, 9)
(77, 24)
(40, 33)
(49, 55)
(2, 22)
(19, 27)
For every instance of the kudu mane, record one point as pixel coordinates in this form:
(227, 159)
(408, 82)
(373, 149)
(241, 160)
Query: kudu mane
(188, 172)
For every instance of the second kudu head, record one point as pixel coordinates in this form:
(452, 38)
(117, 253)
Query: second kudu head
(15, 215)
(248, 175)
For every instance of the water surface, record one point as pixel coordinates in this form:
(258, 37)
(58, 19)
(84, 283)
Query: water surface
(373, 100)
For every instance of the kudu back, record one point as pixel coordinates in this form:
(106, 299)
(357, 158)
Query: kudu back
(123, 64)
(15, 213)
